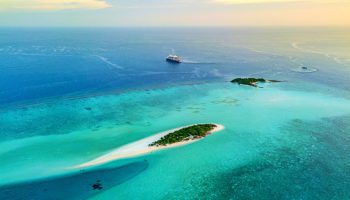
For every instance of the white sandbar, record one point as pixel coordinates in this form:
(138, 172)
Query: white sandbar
(141, 147)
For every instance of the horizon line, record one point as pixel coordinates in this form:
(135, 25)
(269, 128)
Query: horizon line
(188, 26)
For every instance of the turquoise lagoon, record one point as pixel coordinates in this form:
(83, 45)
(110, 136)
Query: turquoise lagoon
(261, 124)
(287, 140)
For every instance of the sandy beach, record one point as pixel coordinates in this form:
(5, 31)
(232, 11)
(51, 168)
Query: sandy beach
(141, 147)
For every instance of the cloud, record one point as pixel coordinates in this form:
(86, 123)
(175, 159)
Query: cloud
(52, 4)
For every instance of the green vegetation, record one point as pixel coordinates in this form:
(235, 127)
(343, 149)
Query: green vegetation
(248, 81)
(252, 81)
(184, 134)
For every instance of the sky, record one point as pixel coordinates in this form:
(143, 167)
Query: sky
(137, 13)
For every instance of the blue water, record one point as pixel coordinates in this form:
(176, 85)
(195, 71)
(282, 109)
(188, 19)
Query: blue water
(70, 95)
(44, 63)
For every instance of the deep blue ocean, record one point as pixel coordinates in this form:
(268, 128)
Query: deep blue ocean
(40, 63)
(69, 95)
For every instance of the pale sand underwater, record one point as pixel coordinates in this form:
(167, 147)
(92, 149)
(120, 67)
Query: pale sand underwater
(142, 147)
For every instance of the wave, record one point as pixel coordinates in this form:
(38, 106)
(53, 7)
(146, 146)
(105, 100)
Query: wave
(185, 61)
(160, 73)
(261, 51)
(336, 59)
(107, 61)
(295, 45)
(37, 50)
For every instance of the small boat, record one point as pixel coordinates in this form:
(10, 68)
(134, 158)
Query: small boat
(173, 59)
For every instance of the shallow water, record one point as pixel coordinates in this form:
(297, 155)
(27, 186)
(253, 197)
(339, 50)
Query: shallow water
(285, 140)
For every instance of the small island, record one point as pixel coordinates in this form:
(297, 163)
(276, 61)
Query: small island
(252, 81)
(167, 139)
(185, 134)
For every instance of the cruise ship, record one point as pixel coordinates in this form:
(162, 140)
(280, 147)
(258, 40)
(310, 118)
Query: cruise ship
(173, 59)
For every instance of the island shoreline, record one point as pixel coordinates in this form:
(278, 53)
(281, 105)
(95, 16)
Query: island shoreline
(142, 147)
